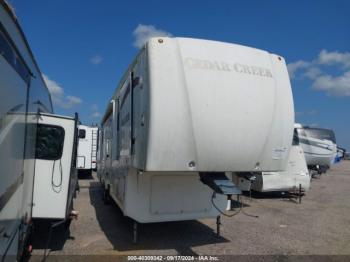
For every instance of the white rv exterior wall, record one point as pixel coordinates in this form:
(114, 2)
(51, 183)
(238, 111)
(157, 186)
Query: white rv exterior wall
(160, 197)
(207, 108)
(86, 156)
(296, 174)
(51, 201)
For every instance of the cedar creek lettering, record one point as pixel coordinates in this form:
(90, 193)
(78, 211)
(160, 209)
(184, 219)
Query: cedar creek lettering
(223, 66)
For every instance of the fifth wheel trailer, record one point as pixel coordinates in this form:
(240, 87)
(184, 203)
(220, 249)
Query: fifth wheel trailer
(185, 112)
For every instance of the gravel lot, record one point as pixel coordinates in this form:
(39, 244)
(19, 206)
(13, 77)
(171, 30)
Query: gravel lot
(320, 225)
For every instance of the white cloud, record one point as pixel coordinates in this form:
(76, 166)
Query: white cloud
(55, 89)
(96, 115)
(321, 72)
(295, 66)
(312, 72)
(332, 58)
(72, 101)
(96, 60)
(58, 96)
(333, 85)
(144, 32)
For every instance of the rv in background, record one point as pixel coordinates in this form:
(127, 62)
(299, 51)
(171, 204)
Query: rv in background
(177, 118)
(295, 176)
(346, 155)
(340, 154)
(30, 166)
(319, 145)
(87, 149)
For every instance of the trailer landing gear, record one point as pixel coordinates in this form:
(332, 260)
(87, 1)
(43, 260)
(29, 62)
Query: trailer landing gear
(218, 224)
(135, 232)
(297, 193)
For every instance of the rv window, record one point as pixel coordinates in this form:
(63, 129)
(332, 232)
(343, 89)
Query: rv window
(321, 134)
(8, 51)
(82, 133)
(5, 49)
(49, 142)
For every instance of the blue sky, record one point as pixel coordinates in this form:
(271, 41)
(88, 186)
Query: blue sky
(83, 47)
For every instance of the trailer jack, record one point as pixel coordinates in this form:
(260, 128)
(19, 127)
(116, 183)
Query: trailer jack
(218, 224)
(135, 232)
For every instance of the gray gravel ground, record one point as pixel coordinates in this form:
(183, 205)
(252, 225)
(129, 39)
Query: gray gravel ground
(320, 225)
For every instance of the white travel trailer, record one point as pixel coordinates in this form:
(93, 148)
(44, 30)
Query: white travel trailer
(87, 148)
(185, 112)
(296, 175)
(319, 146)
(23, 94)
(55, 178)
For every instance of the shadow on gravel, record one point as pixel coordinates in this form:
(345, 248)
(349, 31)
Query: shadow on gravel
(181, 236)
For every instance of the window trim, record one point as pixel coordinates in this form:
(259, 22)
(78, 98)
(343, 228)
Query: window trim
(36, 142)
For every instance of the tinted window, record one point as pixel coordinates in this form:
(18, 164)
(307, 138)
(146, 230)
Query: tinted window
(82, 133)
(8, 51)
(321, 134)
(5, 49)
(49, 143)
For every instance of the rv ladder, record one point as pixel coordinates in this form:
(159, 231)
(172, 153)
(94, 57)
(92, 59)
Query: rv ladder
(94, 146)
